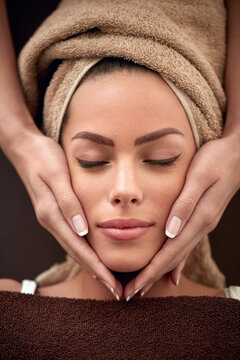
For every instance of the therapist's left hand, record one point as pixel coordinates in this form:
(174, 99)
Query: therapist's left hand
(212, 179)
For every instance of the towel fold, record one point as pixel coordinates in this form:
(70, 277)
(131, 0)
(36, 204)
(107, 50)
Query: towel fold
(184, 41)
(39, 327)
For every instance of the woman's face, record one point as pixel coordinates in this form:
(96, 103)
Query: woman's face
(119, 108)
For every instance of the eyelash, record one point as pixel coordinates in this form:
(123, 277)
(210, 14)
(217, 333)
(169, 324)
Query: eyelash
(91, 164)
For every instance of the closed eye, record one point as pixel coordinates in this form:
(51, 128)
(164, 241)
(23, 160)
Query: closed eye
(163, 162)
(91, 164)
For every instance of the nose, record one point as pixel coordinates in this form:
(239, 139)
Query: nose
(125, 190)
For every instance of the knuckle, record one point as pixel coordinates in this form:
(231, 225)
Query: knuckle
(187, 204)
(65, 202)
(43, 210)
(210, 220)
(212, 224)
(41, 214)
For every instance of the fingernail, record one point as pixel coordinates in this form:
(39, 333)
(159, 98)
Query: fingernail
(134, 293)
(146, 289)
(111, 289)
(80, 225)
(94, 276)
(173, 227)
(177, 282)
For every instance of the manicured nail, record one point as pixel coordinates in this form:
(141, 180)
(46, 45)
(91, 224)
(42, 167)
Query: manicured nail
(116, 296)
(146, 289)
(111, 289)
(173, 227)
(130, 296)
(177, 282)
(80, 226)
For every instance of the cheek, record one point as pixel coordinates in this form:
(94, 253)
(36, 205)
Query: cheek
(159, 193)
(88, 188)
(159, 190)
(162, 191)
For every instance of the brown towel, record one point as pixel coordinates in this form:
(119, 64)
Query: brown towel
(182, 40)
(39, 327)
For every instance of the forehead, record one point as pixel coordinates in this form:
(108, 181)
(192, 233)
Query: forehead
(126, 101)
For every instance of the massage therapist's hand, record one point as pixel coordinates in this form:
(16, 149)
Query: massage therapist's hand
(42, 166)
(213, 178)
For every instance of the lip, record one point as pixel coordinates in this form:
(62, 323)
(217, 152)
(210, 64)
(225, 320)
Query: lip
(124, 223)
(124, 229)
(125, 234)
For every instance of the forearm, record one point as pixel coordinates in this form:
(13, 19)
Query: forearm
(232, 72)
(15, 118)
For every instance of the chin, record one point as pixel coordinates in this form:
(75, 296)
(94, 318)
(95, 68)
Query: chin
(129, 257)
(120, 265)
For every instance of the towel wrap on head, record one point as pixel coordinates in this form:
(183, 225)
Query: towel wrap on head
(184, 41)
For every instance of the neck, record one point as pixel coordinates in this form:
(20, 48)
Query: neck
(85, 286)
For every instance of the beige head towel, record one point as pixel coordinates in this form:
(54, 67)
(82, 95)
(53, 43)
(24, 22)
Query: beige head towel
(184, 41)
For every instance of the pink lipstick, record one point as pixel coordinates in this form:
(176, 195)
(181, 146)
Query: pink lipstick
(124, 229)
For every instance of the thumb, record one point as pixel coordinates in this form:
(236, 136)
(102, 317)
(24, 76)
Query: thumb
(185, 204)
(69, 204)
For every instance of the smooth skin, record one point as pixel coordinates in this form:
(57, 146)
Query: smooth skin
(126, 177)
(121, 179)
(21, 141)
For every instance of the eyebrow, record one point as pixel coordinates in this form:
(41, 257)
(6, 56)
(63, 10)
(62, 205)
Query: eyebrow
(99, 139)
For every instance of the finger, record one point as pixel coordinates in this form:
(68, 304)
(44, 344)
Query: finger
(83, 254)
(68, 203)
(182, 209)
(176, 273)
(169, 256)
(203, 220)
(51, 218)
(98, 273)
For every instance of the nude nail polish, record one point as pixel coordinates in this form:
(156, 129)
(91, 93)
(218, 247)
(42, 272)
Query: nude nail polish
(177, 281)
(146, 289)
(130, 296)
(173, 227)
(111, 289)
(79, 225)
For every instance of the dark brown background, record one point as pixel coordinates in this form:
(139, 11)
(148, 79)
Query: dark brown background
(26, 248)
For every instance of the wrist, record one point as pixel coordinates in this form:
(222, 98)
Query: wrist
(15, 137)
(232, 125)
(233, 139)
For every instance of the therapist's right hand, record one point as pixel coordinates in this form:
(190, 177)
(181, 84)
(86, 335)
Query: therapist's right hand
(42, 166)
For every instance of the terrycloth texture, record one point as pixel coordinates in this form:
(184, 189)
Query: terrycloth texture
(182, 40)
(37, 327)
(63, 85)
